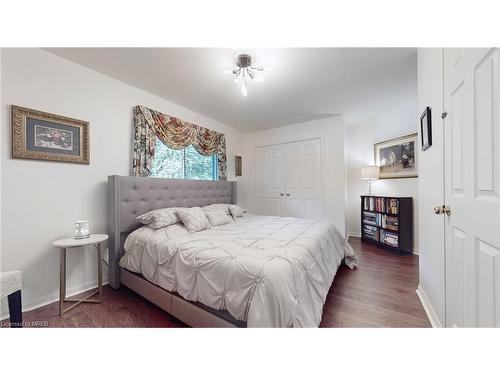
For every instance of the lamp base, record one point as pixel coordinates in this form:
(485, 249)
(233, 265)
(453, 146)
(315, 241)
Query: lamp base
(369, 187)
(82, 237)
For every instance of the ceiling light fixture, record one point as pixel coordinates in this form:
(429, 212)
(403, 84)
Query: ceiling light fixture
(245, 71)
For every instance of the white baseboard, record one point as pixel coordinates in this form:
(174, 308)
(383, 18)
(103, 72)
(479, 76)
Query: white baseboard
(431, 314)
(47, 299)
(357, 235)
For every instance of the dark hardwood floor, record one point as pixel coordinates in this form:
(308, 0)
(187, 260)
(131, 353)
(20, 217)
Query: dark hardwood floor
(380, 293)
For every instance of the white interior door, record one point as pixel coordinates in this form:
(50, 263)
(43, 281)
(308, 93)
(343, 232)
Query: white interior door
(304, 179)
(471, 187)
(289, 179)
(270, 181)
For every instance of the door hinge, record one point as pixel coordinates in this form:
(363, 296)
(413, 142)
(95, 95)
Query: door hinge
(444, 114)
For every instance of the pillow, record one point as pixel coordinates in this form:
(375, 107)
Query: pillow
(218, 217)
(217, 206)
(194, 219)
(160, 218)
(236, 211)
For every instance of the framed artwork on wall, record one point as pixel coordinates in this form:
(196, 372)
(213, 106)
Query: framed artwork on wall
(397, 157)
(39, 135)
(426, 129)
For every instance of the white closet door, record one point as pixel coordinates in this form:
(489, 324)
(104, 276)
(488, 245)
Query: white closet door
(303, 187)
(289, 179)
(270, 182)
(471, 187)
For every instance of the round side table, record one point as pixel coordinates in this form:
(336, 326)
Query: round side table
(67, 243)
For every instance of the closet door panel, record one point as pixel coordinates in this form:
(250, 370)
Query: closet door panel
(304, 181)
(270, 180)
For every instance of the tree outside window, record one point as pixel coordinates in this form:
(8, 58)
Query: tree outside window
(186, 163)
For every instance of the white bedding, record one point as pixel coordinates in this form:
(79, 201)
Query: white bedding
(267, 271)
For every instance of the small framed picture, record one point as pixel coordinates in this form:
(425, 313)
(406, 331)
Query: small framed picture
(39, 135)
(238, 166)
(426, 129)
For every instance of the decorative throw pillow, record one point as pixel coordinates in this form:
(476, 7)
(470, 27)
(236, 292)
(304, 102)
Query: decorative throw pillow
(218, 217)
(160, 218)
(236, 211)
(217, 206)
(194, 219)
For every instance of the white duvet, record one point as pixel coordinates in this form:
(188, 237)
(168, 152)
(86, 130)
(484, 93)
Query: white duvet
(267, 271)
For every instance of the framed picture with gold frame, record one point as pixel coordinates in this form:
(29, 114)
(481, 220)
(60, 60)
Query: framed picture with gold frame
(40, 135)
(397, 157)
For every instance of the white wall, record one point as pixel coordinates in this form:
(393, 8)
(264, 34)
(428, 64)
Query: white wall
(359, 140)
(41, 200)
(431, 188)
(331, 132)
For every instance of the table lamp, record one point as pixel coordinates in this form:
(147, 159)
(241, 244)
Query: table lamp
(370, 173)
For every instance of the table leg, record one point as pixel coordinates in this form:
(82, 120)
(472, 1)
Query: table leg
(62, 280)
(15, 310)
(99, 270)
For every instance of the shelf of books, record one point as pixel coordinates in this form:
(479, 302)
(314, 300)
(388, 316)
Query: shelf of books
(387, 222)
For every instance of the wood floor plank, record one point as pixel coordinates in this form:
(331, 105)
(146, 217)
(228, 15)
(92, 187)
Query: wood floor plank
(380, 293)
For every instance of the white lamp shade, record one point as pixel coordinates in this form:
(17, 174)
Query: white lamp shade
(370, 172)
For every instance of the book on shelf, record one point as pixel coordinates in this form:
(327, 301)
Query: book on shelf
(389, 238)
(370, 232)
(370, 218)
(393, 206)
(391, 222)
(380, 204)
(381, 220)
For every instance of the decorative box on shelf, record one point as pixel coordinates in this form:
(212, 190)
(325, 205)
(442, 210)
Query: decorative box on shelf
(387, 222)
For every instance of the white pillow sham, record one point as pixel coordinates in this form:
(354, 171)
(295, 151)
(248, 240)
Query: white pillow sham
(236, 211)
(217, 206)
(194, 219)
(218, 217)
(161, 218)
(230, 209)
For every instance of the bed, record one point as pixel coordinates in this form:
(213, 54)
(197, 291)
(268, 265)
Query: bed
(258, 271)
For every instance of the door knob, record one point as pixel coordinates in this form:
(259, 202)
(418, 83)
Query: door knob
(282, 194)
(287, 194)
(438, 210)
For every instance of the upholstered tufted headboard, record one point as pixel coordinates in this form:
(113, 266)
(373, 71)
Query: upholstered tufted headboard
(129, 197)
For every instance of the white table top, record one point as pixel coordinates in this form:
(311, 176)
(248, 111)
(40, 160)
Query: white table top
(71, 242)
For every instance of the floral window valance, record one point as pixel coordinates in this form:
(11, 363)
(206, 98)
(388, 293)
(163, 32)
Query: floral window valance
(176, 134)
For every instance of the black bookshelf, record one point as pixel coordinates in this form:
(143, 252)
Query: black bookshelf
(387, 222)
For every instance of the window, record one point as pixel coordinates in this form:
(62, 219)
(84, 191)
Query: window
(186, 163)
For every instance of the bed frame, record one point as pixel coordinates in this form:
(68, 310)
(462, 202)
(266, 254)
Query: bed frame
(129, 197)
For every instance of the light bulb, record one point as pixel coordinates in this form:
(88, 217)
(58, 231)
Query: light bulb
(267, 68)
(244, 89)
(228, 71)
(260, 79)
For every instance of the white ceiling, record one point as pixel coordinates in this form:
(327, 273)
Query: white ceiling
(304, 84)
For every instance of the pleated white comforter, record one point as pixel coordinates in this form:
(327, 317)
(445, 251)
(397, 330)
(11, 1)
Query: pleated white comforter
(267, 271)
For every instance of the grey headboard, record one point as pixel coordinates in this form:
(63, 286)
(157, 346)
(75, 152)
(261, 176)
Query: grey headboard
(129, 197)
